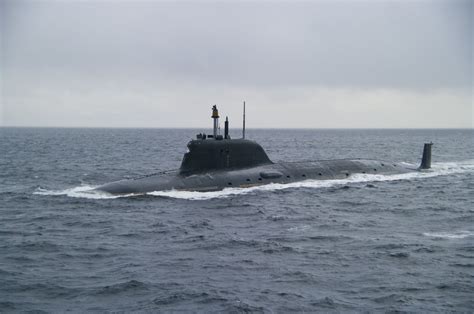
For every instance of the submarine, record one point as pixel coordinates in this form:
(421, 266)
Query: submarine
(214, 162)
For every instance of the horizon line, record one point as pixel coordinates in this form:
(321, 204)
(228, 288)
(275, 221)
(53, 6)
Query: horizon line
(252, 128)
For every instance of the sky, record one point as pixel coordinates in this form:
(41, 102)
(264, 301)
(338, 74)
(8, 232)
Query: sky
(297, 64)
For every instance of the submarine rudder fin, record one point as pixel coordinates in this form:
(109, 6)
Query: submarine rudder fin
(426, 159)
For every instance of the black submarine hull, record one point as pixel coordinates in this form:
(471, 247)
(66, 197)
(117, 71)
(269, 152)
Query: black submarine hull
(216, 162)
(285, 172)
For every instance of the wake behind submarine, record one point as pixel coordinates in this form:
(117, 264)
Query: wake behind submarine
(214, 162)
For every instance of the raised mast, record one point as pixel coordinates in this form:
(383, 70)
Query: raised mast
(243, 126)
(215, 116)
(226, 129)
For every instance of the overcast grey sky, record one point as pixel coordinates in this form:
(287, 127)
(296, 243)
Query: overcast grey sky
(312, 64)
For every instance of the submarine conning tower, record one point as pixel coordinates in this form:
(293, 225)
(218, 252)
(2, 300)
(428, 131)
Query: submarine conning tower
(216, 152)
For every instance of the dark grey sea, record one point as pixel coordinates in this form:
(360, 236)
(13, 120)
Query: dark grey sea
(366, 243)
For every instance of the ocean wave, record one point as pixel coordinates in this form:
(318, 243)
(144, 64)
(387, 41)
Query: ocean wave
(83, 191)
(449, 235)
(122, 287)
(438, 169)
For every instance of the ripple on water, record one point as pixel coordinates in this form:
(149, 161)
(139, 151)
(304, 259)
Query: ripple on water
(42, 246)
(393, 299)
(400, 254)
(174, 299)
(122, 287)
(332, 304)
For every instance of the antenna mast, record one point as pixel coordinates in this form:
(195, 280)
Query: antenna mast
(243, 127)
(215, 117)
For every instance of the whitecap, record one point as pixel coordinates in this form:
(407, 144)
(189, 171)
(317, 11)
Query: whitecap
(83, 191)
(449, 235)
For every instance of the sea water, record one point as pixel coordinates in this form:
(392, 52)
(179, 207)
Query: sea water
(365, 243)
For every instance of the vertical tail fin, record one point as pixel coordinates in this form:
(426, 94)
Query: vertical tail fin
(426, 160)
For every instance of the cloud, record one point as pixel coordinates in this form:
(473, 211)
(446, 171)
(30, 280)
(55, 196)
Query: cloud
(84, 60)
